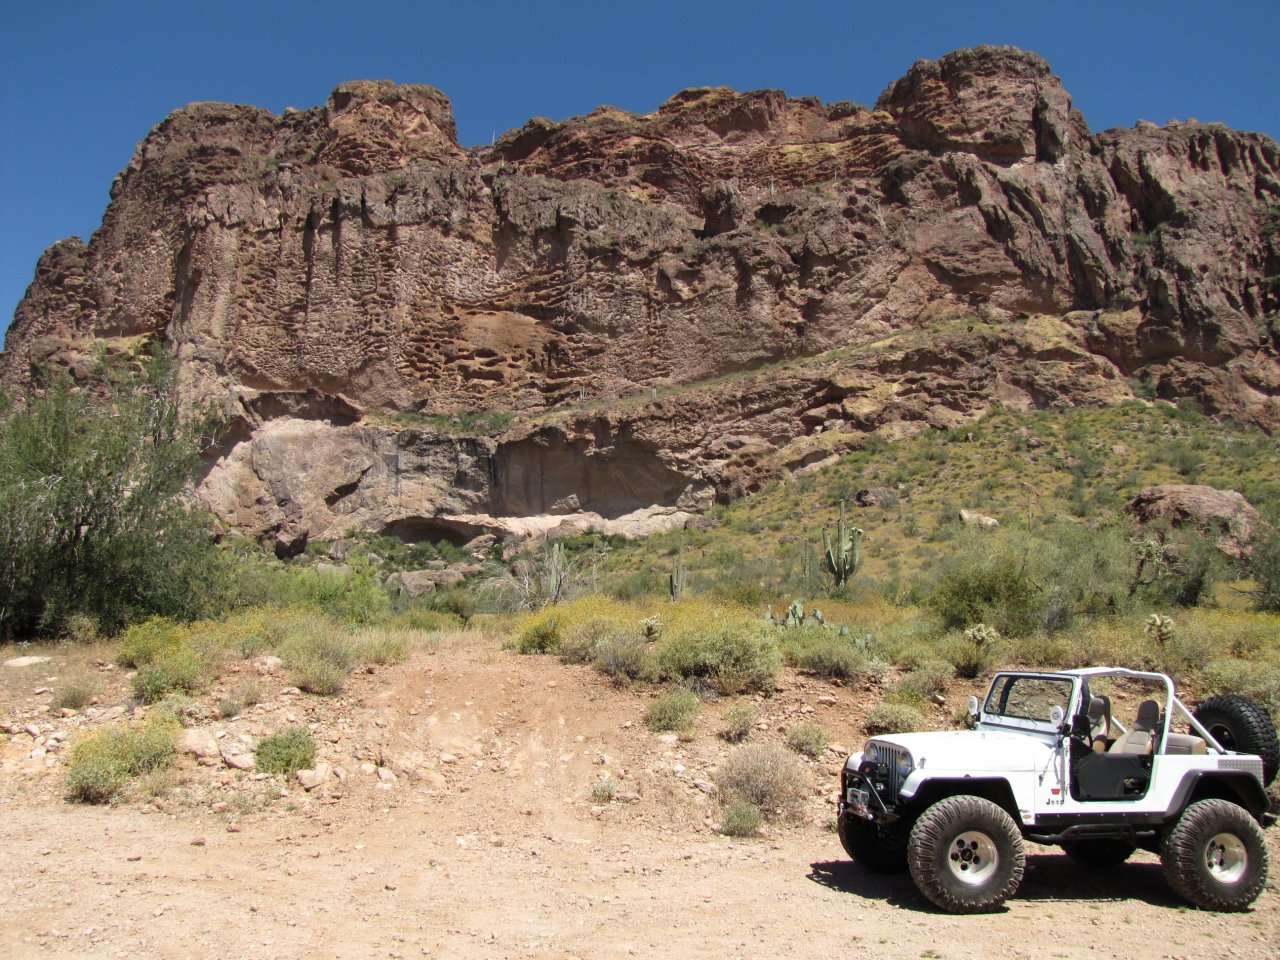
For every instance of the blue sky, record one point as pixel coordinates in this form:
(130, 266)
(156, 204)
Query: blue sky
(84, 80)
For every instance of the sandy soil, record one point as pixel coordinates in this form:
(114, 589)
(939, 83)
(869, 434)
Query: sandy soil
(463, 826)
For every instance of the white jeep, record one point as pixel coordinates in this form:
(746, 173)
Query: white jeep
(1047, 762)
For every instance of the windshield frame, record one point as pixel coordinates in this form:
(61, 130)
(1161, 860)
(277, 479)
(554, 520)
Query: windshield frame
(997, 700)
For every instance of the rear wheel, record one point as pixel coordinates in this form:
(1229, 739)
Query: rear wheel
(1239, 723)
(965, 854)
(1098, 853)
(1215, 856)
(880, 849)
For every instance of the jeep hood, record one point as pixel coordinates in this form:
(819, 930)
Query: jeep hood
(974, 752)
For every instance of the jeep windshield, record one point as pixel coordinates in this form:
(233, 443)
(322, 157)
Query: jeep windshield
(1024, 702)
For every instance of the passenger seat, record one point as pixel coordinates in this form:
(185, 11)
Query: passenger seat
(1141, 739)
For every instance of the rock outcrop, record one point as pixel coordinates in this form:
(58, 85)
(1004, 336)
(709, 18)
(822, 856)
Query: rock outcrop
(653, 312)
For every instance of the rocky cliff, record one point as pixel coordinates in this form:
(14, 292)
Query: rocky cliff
(618, 318)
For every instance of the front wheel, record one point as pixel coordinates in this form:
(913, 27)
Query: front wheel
(1215, 856)
(879, 849)
(965, 854)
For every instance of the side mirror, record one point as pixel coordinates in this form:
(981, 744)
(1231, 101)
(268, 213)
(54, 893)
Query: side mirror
(1056, 715)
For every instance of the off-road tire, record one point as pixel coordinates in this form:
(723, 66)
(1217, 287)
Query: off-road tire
(1099, 853)
(873, 847)
(1239, 723)
(1215, 856)
(966, 855)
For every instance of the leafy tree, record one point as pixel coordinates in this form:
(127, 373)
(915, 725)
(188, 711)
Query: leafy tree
(93, 518)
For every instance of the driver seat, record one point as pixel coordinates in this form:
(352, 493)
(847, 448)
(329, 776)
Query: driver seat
(1099, 723)
(1141, 739)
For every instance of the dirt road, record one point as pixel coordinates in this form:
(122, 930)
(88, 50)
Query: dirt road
(463, 825)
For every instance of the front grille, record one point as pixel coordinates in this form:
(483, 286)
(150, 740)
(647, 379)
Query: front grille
(889, 757)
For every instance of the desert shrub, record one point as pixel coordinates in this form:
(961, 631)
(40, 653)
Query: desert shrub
(457, 601)
(823, 652)
(92, 512)
(928, 678)
(604, 790)
(240, 699)
(80, 627)
(672, 712)
(738, 721)
(142, 642)
(101, 765)
(580, 641)
(1264, 568)
(286, 751)
(741, 819)
(623, 657)
(546, 630)
(1261, 682)
(808, 739)
(766, 775)
(178, 670)
(423, 619)
(729, 659)
(319, 657)
(893, 718)
(176, 709)
(381, 646)
(985, 582)
(75, 692)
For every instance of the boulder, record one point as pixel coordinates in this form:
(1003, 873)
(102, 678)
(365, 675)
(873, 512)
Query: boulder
(971, 518)
(1223, 514)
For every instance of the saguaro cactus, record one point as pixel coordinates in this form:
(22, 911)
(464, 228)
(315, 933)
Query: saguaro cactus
(842, 554)
(677, 581)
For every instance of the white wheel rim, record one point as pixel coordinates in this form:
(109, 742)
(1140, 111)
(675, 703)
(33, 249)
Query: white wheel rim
(1226, 858)
(972, 857)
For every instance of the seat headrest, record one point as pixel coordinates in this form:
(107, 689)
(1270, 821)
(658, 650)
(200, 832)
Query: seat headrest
(1148, 715)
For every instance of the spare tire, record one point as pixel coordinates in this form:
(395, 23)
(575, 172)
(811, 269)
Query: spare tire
(1244, 725)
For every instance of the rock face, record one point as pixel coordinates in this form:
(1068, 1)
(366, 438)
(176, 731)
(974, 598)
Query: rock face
(664, 309)
(1221, 513)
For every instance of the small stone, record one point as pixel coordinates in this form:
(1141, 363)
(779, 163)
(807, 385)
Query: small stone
(386, 776)
(448, 758)
(310, 779)
(219, 806)
(198, 842)
(389, 886)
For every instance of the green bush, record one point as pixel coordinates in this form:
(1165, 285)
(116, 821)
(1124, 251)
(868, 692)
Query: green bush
(738, 721)
(102, 765)
(622, 657)
(604, 790)
(381, 646)
(177, 710)
(178, 670)
(741, 819)
(823, 652)
(75, 692)
(286, 752)
(765, 775)
(893, 718)
(672, 712)
(1264, 567)
(540, 635)
(730, 659)
(1260, 682)
(143, 642)
(928, 678)
(808, 739)
(92, 510)
(319, 657)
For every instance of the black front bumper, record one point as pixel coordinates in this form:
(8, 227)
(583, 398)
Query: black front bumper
(863, 794)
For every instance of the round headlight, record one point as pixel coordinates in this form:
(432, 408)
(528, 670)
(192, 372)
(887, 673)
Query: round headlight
(871, 754)
(905, 766)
